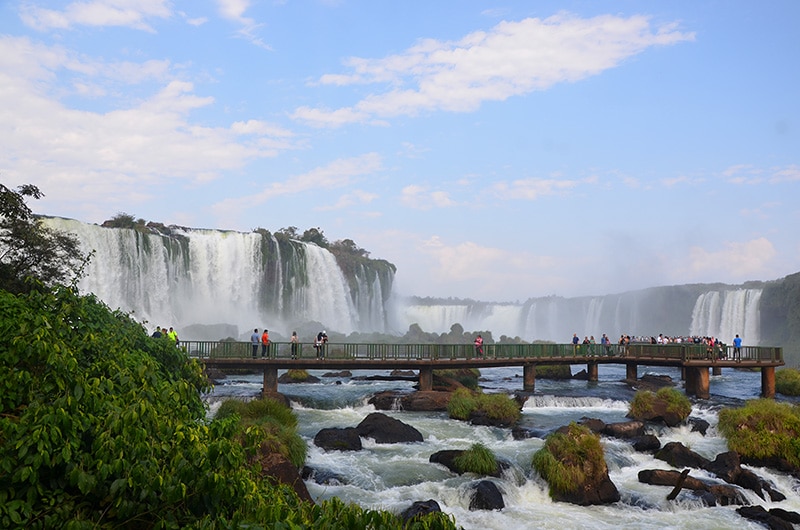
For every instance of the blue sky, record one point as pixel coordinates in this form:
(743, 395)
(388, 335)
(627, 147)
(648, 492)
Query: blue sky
(491, 150)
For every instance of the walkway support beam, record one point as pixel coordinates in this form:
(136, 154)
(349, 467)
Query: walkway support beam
(768, 381)
(426, 379)
(591, 369)
(528, 377)
(270, 380)
(631, 371)
(697, 381)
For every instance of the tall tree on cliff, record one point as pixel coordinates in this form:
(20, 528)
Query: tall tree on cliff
(28, 249)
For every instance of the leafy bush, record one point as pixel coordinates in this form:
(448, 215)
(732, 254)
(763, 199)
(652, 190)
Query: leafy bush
(763, 429)
(461, 404)
(643, 402)
(568, 459)
(477, 459)
(464, 402)
(102, 426)
(554, 371)
(787, 381)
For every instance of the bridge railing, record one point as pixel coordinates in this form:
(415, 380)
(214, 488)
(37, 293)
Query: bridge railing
(382, 352)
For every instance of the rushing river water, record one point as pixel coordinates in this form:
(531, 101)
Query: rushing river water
(392, 476)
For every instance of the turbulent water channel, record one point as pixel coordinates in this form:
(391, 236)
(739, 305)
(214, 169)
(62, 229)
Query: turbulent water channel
(392, 476)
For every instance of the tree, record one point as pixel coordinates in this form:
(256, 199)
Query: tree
(315, 235)
(28, 249)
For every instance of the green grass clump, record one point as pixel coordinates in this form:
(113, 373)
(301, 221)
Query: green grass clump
(641, 404)
(787, 381)
(498, 407)
(461, 404)
(763, 429)
(276, 424)
(677, 402)
(466, 376)
(477, 459)
(297, 375)
(568, 459)
(554, 371)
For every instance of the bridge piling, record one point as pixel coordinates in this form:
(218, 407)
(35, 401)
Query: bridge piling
(528, 377)
(631, 371)
(697, 382)
(426, 379)
(768, 381)
(591, 369)
(270, 380)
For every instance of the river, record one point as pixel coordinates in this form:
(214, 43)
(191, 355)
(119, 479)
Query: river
(392, 476)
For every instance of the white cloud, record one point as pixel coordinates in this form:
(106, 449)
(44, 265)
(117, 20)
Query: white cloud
(421, 198)
(735, 260)
(355, 197)
(533, 188)
(128, 13)
(511, 59)
(234, 11)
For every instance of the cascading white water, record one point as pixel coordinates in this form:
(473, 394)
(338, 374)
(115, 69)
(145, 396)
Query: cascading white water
(212, 277)
(724, 314)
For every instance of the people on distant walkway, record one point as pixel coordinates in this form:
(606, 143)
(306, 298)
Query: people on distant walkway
(255, 338)
(606, 342)
(173, 336)
(157, 333)
(264, 343)
(737, 347)
(295, 342)
(319, 344)
(479, 346)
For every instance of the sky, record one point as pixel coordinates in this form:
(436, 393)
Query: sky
(492, 150)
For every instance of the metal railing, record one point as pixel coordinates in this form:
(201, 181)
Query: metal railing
(380, 352)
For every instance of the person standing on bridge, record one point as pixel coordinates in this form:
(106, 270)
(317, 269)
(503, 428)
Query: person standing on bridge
(295, 341)
(264, 343)
(254, 340)
(737, 347)
(479, 346)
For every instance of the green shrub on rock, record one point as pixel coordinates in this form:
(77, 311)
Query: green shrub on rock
(763, 430)
(668, 404)
(477, 459)
(787, 382)
(501, 409)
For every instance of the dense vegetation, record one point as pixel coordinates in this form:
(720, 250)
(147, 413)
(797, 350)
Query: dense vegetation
(569, 458)
(501, 408)
(780, 316)
(477, 459)
(643, 402)
(763, 429)
(787, 382)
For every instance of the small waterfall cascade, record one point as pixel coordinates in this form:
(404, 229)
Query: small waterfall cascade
(186, 277)
(726, 313)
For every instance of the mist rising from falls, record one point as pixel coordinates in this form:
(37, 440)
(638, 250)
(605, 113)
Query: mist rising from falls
(242, 280)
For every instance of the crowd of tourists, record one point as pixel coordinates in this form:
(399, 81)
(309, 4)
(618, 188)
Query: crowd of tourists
(714, 346)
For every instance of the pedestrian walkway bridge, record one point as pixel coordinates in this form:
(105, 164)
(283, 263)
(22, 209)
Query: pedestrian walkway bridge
(695, 360)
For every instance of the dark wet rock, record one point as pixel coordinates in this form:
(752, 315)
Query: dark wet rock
(728, 495)
(659, 413)
(727, 466)
(524, 433)
(420, 401)
(215, 375)
(779, 464)
(322, 476)
(480, 417)
(625, 429)
(286, 379)
(446, 458)
(711, 494)
(341, 373)
(420, 509)
(486, 496)
(277, 469)
(761, 515)
(593, 424)
(338, 439)
(652, 382)
(698, 425)
(670, 477)
(647, 444)
(678, 455)
(404, 373)
(786, 515)
(387, 430)
(581, 375)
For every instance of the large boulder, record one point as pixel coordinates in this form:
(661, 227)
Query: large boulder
(277, 469)
(420, 509)
(338, 439)
(774, 520)
(486, 496)
(421, 401)
(386, 430)
(648, 443)
(625, 429)
(678, 455)
(711, 494)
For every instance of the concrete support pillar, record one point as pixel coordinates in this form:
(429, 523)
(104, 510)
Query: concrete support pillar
(631, 371)
(683, 373)
(768, 381)
(270, 380)
(697, 382)
(591, 368)
(528, 377)
(716, 370)
(426, 379)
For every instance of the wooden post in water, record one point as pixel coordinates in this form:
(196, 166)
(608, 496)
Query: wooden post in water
(716, 370)
(768, 381)
(270, 380)
(697, 381)
(528, 377)
(591, 368)
(426, 379)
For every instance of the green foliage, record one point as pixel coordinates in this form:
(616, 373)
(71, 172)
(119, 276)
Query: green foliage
(787, 381)
(477, 459)
(297, 374)
(779, 307)
(28, 249)
(677, 402)
(554, 371)
(121, 220)
(641, 404)
(763, 429)
(464, 402)
(465, 376)
(102, 426)
(568, 459)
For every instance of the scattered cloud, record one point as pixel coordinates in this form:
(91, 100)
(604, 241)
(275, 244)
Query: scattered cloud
(354, 198)
(133, 14)
(234, 10)
(533, 188)
(735, 260)
(421, 198)
(511, 59)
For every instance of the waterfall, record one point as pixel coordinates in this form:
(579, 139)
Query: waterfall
(188, 277)
(724, 314)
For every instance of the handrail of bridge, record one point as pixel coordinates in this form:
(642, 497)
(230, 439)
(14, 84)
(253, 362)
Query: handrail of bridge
(536, 351)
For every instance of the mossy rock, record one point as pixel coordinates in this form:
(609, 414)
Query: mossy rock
(668, 405)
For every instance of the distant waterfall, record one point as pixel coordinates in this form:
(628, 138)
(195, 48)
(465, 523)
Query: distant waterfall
(724, 314)
(213, 277)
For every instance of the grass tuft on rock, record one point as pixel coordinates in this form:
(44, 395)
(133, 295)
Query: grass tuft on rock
(501, 407)
(568, 459)
(297, 375)
(763, 429)
(477, 459)
(643, 402)
(787, 382)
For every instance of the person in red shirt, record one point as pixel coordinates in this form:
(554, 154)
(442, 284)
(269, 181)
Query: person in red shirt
(264, 343)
